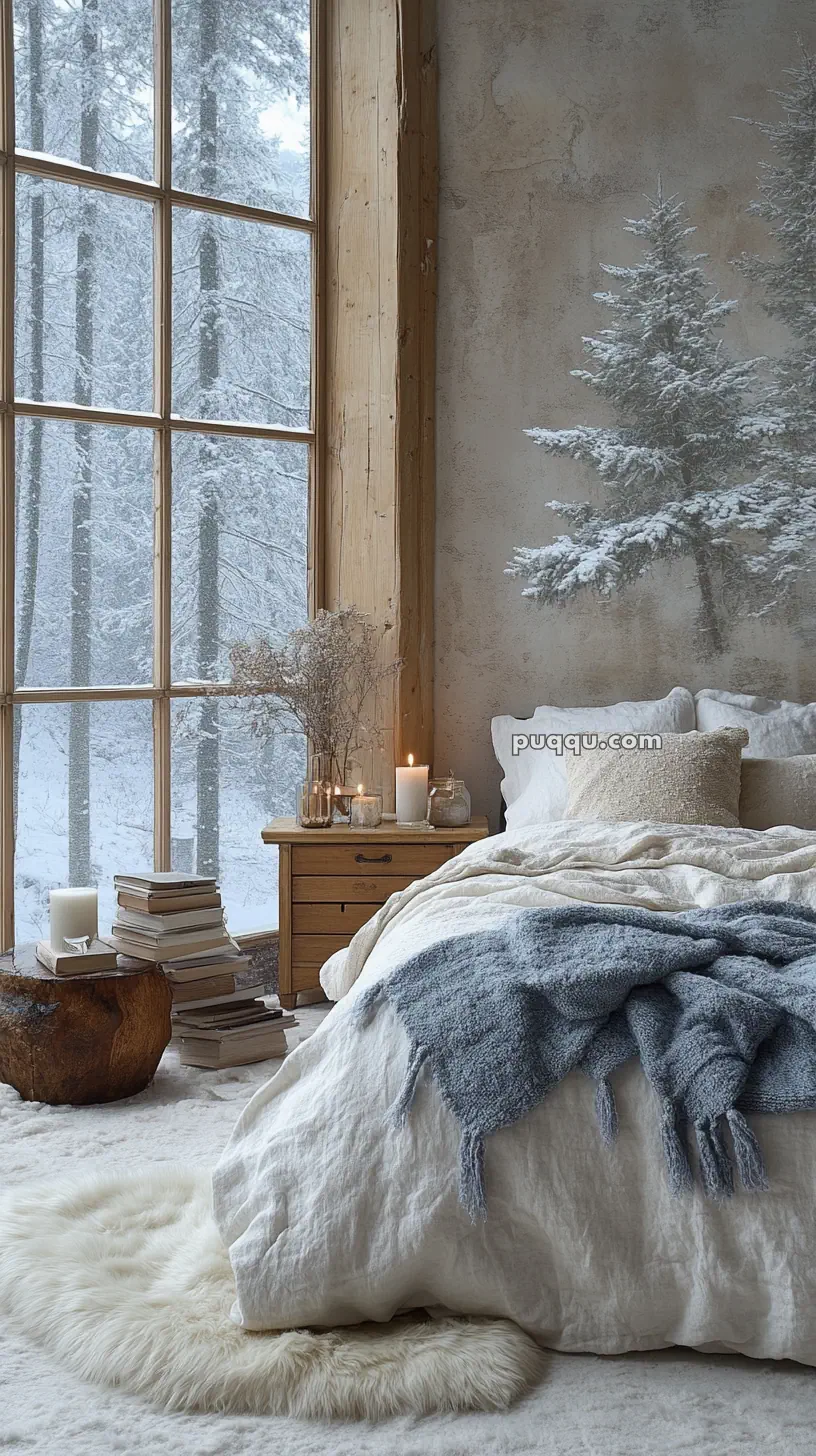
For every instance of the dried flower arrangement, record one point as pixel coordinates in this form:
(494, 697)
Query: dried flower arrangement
(321, 682)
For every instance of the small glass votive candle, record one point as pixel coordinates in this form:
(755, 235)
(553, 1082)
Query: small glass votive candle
(366, 808)
(315, 805)
(448, 803)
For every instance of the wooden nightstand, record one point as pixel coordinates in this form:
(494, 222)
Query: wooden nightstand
(331, 881)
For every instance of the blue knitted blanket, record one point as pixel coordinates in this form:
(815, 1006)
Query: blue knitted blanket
(719, 1005)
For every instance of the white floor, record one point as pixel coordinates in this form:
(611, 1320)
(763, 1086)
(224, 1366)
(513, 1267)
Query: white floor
(672, 1402)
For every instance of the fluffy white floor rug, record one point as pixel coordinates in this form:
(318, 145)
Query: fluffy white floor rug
(124, 1278)
(667, 1403)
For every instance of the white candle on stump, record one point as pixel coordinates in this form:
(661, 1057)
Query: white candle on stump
(412, 792)
(74, 914)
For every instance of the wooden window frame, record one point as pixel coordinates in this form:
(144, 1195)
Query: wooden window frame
(161, 421)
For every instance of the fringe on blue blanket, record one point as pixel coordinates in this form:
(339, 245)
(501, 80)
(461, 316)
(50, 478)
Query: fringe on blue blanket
(606, 1110)
(748, 1153)
(672, 1136)
(715, 1163)
(402, 1106)
(471, 1175)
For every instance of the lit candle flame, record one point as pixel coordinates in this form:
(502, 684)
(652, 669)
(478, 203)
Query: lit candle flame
(410, 760)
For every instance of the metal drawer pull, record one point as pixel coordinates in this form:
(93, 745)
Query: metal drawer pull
(372, 859)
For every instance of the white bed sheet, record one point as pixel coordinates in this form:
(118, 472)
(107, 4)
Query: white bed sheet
(332, 1217)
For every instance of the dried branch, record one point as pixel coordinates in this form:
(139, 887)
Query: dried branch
(323, 682)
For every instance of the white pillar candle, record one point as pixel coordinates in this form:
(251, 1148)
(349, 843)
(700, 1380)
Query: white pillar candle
(73, 913)
(412, 792)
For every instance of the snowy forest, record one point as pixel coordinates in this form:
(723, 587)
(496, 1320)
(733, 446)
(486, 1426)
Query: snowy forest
(708, 458)
(84, 509)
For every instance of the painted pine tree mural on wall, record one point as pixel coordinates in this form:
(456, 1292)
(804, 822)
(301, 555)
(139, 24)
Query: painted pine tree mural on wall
(711, 459)
(680, 465)
(787, 278)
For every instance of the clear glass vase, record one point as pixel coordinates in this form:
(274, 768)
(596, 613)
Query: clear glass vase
(315, 807)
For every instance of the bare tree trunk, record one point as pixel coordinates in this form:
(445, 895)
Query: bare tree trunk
(208, 745)
(79, 759)
(709, 622)
(28, 557)
(713, 639)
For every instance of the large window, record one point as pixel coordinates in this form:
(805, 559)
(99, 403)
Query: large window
(159, 242)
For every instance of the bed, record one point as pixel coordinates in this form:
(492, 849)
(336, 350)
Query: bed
(333, 1216)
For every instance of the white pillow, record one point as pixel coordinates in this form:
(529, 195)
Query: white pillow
(775, 729)
(534, 786)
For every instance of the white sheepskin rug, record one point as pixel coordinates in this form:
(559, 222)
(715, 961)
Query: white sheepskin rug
(126, 1281)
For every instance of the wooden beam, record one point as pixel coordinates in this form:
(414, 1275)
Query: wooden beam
(380, 305)
(417, 187)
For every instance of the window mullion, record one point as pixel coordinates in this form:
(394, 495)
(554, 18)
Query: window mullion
(316, 552)
(162, 449)
(7, 463)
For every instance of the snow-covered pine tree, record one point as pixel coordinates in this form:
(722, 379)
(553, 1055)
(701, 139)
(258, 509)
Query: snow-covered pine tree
(692, 426)
(787, 202)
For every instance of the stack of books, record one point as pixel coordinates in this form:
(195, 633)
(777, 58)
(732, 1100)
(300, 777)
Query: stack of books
(230, 1036)
(161, 916)
(177, 921)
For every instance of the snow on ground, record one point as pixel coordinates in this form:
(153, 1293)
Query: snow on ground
(672, 1403)
(121, 820)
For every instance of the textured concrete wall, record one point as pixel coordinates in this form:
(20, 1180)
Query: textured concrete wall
(555, 117)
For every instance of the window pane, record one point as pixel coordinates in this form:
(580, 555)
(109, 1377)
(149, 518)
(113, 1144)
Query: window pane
(241, 320)
(83, 82)
(84, 328)
(84, 554)
(85, 803)
(241, 101)
(240, 520)
(228, 783)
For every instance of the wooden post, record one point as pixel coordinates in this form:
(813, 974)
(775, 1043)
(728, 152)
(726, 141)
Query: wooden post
(417, 188)
(380, 208)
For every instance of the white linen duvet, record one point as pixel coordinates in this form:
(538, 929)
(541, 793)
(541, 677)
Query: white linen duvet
(332, 1217)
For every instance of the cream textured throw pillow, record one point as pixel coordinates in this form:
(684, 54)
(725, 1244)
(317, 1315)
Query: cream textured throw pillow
(778, 791)
(694, 778)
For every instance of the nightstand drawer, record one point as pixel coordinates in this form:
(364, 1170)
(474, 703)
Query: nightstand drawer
(331, 882)
(326, 919)
(313, 950)
(311, 889)
(414, 860)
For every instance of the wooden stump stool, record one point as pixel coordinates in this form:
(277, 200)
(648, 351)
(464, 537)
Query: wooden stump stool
(79, 1039)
